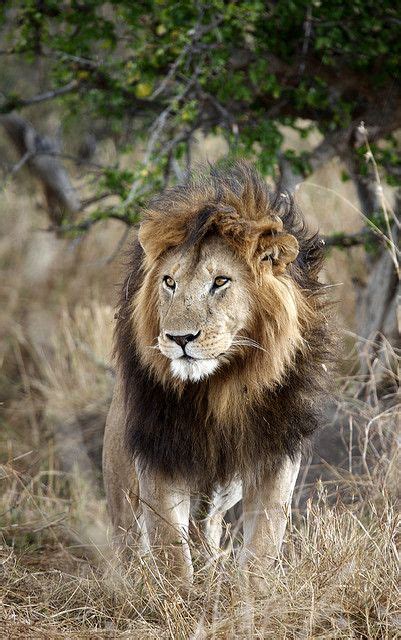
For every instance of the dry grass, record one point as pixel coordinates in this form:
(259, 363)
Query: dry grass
(59, 577)
(337, 577)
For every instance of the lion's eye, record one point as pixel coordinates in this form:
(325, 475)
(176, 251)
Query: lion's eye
(169, 282)
(220, 281)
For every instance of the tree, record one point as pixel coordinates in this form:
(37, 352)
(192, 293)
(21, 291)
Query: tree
(159, 71)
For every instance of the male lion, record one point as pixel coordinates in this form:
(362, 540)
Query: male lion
(220, 343)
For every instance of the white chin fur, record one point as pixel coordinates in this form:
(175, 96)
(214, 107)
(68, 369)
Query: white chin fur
(193, 370)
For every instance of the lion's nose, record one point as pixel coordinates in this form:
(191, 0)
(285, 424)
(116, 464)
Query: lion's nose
(182, 340)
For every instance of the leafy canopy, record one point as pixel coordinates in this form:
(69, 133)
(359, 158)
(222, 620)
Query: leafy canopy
(161, 70)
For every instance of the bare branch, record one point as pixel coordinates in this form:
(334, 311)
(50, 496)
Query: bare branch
(306, 40)
(38, 152)
(86, 203)
(347, 240)
(156, 131)
(17, 167)
(17, 103)
(197, 33)
(87, 223)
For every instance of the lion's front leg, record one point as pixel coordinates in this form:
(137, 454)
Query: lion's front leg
(166, 505)
(265, 512)
(223, 499)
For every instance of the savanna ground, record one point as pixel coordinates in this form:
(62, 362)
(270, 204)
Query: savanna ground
(337, 576)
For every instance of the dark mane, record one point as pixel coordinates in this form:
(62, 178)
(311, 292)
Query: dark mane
(174, 432)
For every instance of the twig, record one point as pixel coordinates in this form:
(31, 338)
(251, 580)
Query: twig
(370, 157)
(157, 129)
(171, 73)
(17, 103)
(346, 240)
(17, 167)
(86, 224)
(228, 117)
(75, 159)
(375, 229)
(183, 136)
(83, 62)
(197, 33)
(86, 203)
(306, 40)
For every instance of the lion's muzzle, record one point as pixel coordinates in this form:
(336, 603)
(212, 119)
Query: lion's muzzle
(188, 362)
(183, 339)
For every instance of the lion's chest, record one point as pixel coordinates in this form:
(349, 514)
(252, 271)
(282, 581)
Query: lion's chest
(175, 437)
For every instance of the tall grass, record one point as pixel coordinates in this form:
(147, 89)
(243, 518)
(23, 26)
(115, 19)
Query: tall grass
(60, 577)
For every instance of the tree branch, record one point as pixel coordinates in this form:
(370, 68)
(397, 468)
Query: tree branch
(13, 102)
(39, 153)
(87, 223)
(347, 240)
(339, 240)
(16, 167)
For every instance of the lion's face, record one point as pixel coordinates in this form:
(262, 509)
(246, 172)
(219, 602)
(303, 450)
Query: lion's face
(204, 304)
(217, 296)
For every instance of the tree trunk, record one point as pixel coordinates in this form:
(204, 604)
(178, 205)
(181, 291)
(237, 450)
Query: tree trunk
(40, 154)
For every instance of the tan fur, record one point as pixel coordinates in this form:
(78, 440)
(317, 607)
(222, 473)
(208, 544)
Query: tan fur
(119, 476)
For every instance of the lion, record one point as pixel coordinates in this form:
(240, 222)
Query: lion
(221, 344)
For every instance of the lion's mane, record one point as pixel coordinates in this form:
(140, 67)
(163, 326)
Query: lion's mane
(260, 407)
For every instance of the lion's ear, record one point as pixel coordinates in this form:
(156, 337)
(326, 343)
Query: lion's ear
(279, 249)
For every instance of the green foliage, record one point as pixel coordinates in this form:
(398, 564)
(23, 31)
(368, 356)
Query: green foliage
(242, 68)
(300, 162)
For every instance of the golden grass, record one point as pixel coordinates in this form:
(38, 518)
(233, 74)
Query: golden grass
(60, 577)
(337, 577)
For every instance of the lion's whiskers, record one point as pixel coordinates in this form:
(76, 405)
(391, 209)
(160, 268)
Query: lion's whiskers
(244, 341)
(238, 341)
(248, 344)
